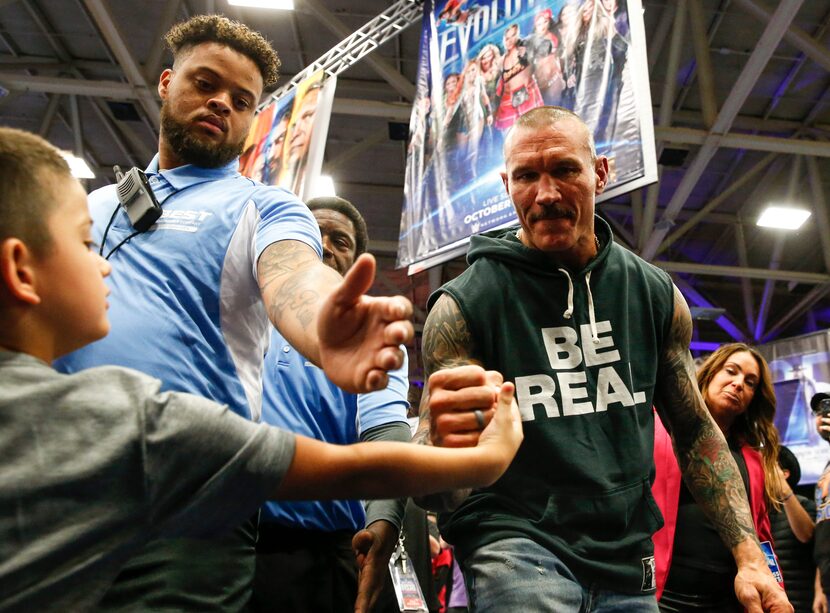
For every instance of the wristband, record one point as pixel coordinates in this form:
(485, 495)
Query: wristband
(787, 497)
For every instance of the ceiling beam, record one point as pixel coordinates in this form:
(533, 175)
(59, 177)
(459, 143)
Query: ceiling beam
(121, 133)
(692, 72)
(132, 70)
(370, 140)
(746, 284)
(820, 210)
(769, 285)
(152, 67)
(637, 203)
(401, 111)
(621, 234)
(813, 296)
(400, 83)
(99, 107)
(710, 206)
(740, 272)
(705, 76)
(724, 321)
(67, 85)
(77, 132)
(746, 122)
(792, 146)
(298, 40)
(43, 63)
(49, 116)
(396, 111)
(46, 29)
(797, 37)
(664, 119)
(49, 62)
(767, 44)
(661, 32)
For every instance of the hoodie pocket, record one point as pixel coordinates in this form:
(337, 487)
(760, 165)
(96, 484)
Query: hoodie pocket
(615, 520)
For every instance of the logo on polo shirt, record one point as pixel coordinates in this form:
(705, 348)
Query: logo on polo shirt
(183, 221)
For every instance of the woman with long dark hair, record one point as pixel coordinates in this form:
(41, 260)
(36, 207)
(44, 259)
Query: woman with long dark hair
(695, 571)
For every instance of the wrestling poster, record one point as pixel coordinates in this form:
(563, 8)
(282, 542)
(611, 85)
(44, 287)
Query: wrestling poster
(288, 137)
(482, 64)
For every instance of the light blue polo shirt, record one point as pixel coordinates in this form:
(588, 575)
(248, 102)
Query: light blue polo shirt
(185, 305)
(298, 397)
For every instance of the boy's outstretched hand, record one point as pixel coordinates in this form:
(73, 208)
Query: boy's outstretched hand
(359, 335)
(503, 435)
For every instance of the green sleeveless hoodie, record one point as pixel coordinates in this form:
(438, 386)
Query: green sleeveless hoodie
(582, 348)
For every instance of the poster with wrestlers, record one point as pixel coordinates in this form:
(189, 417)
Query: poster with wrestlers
(482, 64)
(288, 137)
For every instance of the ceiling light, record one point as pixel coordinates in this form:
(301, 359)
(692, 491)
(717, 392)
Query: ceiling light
(78, 166)
(783, 217)
(283, 5)
(323, 186)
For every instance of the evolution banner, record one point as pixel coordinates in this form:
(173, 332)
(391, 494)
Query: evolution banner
(288, 137)
(482, 64)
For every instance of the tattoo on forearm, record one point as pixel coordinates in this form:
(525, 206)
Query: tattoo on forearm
(447, 340)
(704, 457)
(421, 437)
(280, 260)
(282, 271)
(291, 296)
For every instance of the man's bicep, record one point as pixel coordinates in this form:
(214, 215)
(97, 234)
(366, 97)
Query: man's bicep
(677, 397)
(281, 260)
(447, 341)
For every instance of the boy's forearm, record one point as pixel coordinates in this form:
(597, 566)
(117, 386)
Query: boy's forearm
(441, 501)
(381, 470)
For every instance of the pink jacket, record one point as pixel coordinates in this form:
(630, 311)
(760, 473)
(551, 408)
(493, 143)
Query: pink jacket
(666, 492)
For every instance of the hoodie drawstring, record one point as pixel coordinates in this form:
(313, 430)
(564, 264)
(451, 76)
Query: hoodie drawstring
(592, 318)
(570, 310)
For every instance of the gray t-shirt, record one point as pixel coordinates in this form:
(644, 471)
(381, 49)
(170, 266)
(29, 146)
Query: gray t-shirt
(95, 464)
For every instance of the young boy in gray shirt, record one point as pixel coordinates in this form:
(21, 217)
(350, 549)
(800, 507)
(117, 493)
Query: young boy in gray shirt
(96, 463)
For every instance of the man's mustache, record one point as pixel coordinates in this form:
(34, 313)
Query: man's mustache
(553, 212)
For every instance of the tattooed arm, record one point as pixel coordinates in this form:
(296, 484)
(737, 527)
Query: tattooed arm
(329, 319)
(290, 277)
(458, 385)
(708, 468)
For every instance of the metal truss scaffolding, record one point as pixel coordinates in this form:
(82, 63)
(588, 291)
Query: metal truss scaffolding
(360, 43)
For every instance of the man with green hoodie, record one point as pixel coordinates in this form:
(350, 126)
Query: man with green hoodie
(592, 336)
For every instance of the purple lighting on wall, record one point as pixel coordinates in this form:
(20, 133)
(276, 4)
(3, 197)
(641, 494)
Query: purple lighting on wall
(703, 346)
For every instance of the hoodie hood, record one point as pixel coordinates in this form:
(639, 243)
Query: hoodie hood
(504, 244)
